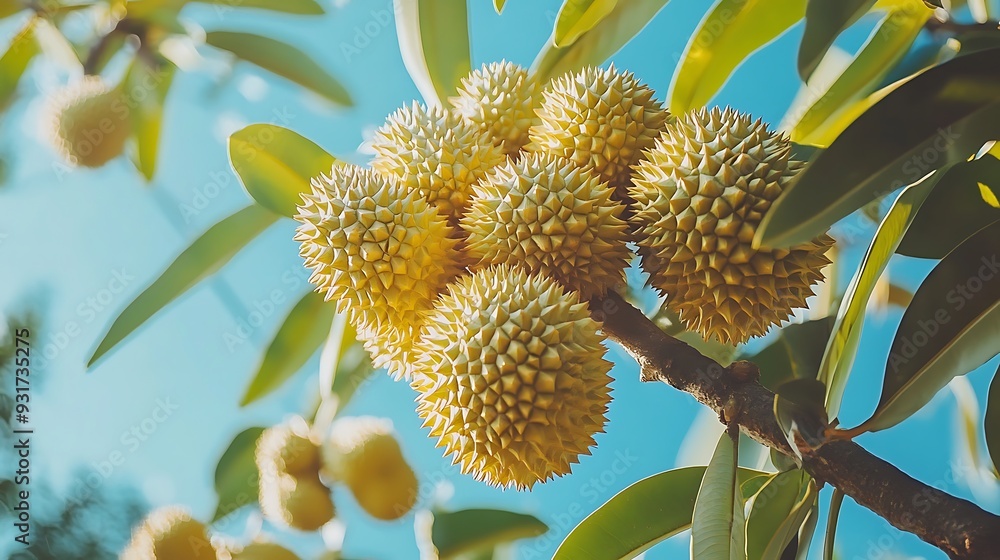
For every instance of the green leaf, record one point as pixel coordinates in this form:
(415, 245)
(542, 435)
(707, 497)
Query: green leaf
(716, 522)
(886, 147)
(644, 514)
(954, 210)
(148, 87)
(205, 256)
(991, 424)
(299, 7)
(281, 59)
(885, 47)
(498, 5)
(459, 532)
(594, 47)
(967, 414)
(728, 34)
(275, 165)
(577, 17)
(838, 358)
(434, 41)
(771, 524)
(298, 338)
(353, 370)
(825, 19)
(951, 327)
(13, 62)
(11, 7)
(236, 475)
(795, 353)
(836, 500)
(338, 340)
(798, 408)
(808, 531)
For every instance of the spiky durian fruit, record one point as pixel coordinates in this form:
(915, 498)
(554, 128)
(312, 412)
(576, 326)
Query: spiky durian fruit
(264, 551)
(300, 502)
(381, 252)
(699, 198)
(435, 152)
(500, 99)
(545, 213)
(511, 377)
(288, 448)
(169, 533)
(88, 124)
(599, 118)
(363, 453)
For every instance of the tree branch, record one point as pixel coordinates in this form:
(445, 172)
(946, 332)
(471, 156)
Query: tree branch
(956, 526)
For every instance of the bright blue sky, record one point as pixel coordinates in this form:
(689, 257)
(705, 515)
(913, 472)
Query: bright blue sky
(67, 234)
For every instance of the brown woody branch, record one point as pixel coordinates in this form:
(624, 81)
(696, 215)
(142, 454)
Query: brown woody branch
(956, 526)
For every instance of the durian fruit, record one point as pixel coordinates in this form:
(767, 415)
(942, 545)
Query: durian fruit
(435, 152)
(169, 533)
(264, 551)
(300, 502)
(500, 99)
(381, 252)
(363, 453)
(87, 122)
(545, 213)
(599, 118)
(288, 448)
(511, 377)
(699, 197)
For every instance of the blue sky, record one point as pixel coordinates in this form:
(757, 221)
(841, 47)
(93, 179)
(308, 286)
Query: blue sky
(87, 242)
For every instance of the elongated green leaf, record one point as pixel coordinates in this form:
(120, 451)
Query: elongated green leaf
(951, 327)
(885, 47)
(275, 165)
(771, 523)
(281, 59)
(731, 32)
(606, 38)
(299, 7)
(149, 88)
(954, 210)
(11, 7)
(339, 339)
(838, 359)
(15, 60)
(205, 256)
(577, 17)
(795, 353)
(967, 414)
(353, 370)
(644, 514)
(991, 424)
(716, 523)
(825, 19)
(434, 41)
(236, 475)
(807, 532)
(298, 338)
(459, 532)
(886, 147)
(836, 501)
(498, 5)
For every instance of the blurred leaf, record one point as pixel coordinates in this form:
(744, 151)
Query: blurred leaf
(275, 165)
(146, 88)
(594, 47)
(281, 59)
(967, 410)
(950, 329)
(459, 532)
(887, 147)
(717, 520)
(353, 369)
(498, 5)
(954, 210)
(795, 353)
(206, 255)
(434, 41)
(825, 19)
(776, 514)
(988, 196)
(236, 475)
(991, 424)
(300, 335)
(732, 31)
(13, 62)
(808, 531)
(836, 501)
(842, 347)
(576, 17)
(113, 44)
(300, 7)
(11, 7)
(885, 47)
(56, 48)
(718, 351)
(644, 514)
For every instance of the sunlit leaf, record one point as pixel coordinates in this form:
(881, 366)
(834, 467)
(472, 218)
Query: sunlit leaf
(236, 476)
(300, 7)
(434, 41)
(807, 532)
(275, 165)
(56, 48)
(967, 411)
(776, 515)
(717, 520)
(886, 147)
(201, 259)
(576, 17)
(728, 34)
(353, 370)
(498, 5)
(951, 328)
(991, 424)
(15, 60)
(339, 338)
(836, 501)
(459, 532)
(146, 88)
(11, 7)
(825, 19)
(281, 59)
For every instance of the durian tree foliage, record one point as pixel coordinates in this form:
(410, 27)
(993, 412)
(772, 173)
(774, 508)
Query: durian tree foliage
(481, 258)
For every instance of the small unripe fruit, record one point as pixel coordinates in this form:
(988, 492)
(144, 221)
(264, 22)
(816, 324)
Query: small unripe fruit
(363, 453)
(299, 502)
(169, 533)
(511, 377)
(84, 126)
(288, 449)
(264, 551)
(500, 100)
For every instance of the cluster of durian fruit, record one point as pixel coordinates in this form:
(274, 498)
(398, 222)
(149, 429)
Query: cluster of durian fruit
(297, 471)
(466, 255)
